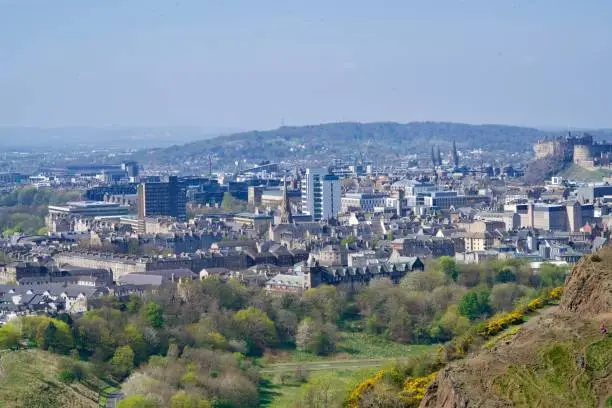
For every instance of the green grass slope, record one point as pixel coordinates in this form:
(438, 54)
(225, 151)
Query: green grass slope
(557, 380)
(578, 173)
(30, 378)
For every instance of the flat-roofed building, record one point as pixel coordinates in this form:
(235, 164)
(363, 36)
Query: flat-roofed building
(259, 222)
(362, 202)
(90, 209)
(62, 218)
(444, 200)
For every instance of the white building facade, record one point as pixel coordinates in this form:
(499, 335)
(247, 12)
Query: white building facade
(321, 194)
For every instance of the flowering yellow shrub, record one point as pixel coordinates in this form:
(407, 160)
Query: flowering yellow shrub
(556, 293)
(365, 385)
(535, 304)
(499, 323)
(414, 389)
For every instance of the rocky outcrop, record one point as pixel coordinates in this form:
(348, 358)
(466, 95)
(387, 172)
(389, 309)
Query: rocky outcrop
(476, 381)
(589, 288)
(444, 393)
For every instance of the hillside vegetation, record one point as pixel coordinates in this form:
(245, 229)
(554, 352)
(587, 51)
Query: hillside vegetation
(557, 359)
(39, 379)
(342, 138)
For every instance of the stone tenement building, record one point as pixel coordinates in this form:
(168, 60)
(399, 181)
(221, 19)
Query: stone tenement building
(581, 150)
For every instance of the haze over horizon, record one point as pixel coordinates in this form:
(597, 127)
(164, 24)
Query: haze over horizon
(538, 63)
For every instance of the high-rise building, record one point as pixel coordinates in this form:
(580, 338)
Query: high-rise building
(163, 199)
(132, 170)
(320, 194)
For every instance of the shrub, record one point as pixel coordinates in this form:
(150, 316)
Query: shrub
(497, 324)
(71, 371)
(595, 258)
(556, 293)
(363, 387)
(535, 304)
(66, 376)
(414, 389)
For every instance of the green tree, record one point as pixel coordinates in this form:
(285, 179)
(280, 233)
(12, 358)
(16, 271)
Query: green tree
(137, 401)
(94, 333)
(154, 314)
(48, 333)
(256, 328)
(505, 295)
(122, 362)
(184, 400)
(475, 304)
(317, 338)
(232, 204)
(135, 339)
(324, 303)
(552, 276)
(448, 266)
(9, 337)
(286, 324)
(134, 304)
(326, 339)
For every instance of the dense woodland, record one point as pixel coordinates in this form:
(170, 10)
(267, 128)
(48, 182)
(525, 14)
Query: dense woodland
(198, 344)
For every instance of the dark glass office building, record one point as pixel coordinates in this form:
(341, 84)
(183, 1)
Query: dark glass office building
(163, 199)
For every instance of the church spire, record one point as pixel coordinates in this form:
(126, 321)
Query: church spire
(286, 217)
(455, 155)
(433, 157)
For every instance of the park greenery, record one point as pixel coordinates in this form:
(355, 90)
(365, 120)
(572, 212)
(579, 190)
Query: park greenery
(23, 210)
(202, 343)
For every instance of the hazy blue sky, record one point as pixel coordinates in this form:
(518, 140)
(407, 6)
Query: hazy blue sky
(254, 63)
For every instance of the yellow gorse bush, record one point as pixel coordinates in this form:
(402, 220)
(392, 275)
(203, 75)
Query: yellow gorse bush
(496, 324)
(414, 389)
(364, 386)
(556, 293)
(535, 304)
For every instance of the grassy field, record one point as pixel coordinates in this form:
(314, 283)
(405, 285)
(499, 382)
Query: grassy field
(30, 378)
(578, 173)
(352, 346)
(359, 356)
(285, 395)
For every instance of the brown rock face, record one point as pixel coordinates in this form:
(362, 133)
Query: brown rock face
(443, 393)
(589, 288)
(470, 383)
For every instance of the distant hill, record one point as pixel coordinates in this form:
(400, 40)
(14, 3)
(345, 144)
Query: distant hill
(351, 138)
(70, 137)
